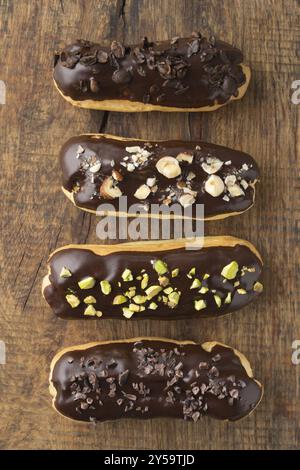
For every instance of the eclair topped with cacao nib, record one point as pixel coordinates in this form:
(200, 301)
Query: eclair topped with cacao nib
(181, 74)
(153, 377)
(99, 168)
(157, 280)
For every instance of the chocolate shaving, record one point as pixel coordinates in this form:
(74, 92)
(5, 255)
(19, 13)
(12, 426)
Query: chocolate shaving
(123, 377)
(121, 76)
(117, 49)
(139, 55)
(94, 86)
(102, 57)
(193, 48)
(111, 363)
(88, 60)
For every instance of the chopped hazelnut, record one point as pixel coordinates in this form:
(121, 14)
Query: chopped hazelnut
(108, 190)
(244, 184)
(186, 200)
(230, 180)
(235, 190)
(142, 192)
(117, 175)
(212, 165)
(185, 157)
(190, 176)
(95, 168)
(214, 186)
(151, 182)
(168, 167)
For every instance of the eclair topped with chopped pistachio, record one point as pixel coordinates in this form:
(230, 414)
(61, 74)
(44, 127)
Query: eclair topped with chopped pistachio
(161, 280)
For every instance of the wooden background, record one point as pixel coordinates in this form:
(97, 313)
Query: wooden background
(36, 218)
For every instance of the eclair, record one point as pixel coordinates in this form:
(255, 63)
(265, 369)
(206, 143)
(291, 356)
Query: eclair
(157, 280)
(153, 377)
(181, 74)
(158, 178)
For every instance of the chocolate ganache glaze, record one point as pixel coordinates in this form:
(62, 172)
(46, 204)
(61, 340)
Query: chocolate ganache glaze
(148, 378)
(181, 73)
(161, 282)
(100, 168)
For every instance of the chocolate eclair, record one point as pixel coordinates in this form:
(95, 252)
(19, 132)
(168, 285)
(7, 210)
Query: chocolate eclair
(153, 377)
(181, 74)
(159, 178)
(157, 280)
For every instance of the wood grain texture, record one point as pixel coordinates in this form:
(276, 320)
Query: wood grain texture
(36, 217)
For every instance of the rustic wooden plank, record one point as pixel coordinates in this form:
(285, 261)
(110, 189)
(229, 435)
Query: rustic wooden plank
(36, 218)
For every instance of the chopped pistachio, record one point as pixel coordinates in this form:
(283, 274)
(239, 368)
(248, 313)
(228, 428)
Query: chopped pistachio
(175, 272)
(196, 283)
(145, 281)
(203, 290)
(65, 272)
(230, 270)
(152, 291)
(119, 299)
(127, 313)
(251, 270)
(132, 288)
(153, 306)
(163, 281)
(160, 266)
(218, 300)
(228, 298)
(130, 294)
(105, 287)
(206, 276)
(165, 299)
(242, 291)
(119, 284)
(258, 287)
(99, 313)
(168, 290)
(236, 284)
(138, 278)
(199, 304)
(192, 272)
(136, 308)
(87, 283)
(90, 299)
(139, 299)
(127, 275)
(90, 311)
(173, 299)
(72, 300)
